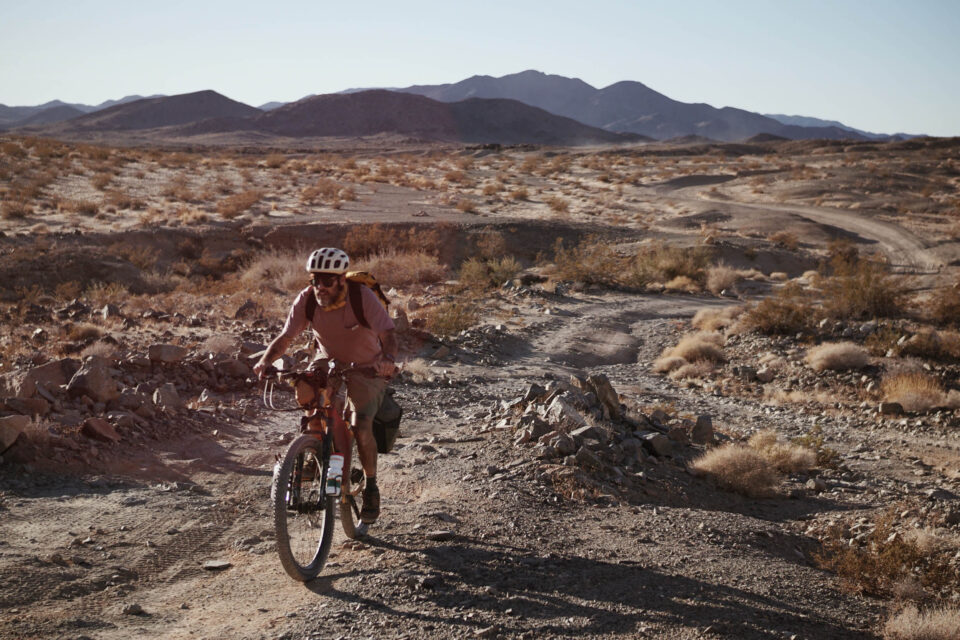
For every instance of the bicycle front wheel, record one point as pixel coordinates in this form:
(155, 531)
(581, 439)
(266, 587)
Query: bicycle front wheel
(302, 514)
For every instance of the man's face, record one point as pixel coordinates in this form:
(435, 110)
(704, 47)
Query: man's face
(327, 286)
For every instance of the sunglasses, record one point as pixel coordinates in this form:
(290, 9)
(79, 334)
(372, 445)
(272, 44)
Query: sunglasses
(324, 279)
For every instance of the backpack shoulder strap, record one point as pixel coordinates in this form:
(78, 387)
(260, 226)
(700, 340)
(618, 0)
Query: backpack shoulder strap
(355, 293)
(311, 308)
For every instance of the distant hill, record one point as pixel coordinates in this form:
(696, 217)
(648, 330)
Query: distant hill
(624, 106)
(377, 111)
(807, 121)
(50, 115)
(152, 113)
(11, 117)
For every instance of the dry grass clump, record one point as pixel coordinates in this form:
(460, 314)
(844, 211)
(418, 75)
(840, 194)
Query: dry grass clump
(282, 270)
(837, 356)
(368, 239)
(450, 318)
(485, 274)
(232, 206)
(785, 239)
(738, 468)
(402, 268)
(558, 205)
(787, 311)
(914, 391)
(520, 193)
(691, 370)
(861, 289)
(933, 345)
(721, 277)
(785, 457)
(683, 284)
(938, 623)
(703, 345)
(466, 205)
(716, 319)
(15, 210)
(945, 307)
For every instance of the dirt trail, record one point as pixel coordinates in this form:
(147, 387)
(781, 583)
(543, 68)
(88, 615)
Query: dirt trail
(514, 559)
(907, 252)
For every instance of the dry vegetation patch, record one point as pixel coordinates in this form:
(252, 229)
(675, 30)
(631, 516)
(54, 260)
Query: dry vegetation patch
(935, 623)
(839, 356)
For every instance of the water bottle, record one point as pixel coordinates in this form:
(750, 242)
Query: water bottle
(335, 475)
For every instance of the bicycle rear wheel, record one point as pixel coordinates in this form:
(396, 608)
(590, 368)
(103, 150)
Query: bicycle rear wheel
(350, 500)
(302, 514)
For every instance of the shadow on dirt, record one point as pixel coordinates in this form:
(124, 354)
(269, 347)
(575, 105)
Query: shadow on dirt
(587, 596)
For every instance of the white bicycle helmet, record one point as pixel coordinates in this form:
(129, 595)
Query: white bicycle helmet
(328, 260)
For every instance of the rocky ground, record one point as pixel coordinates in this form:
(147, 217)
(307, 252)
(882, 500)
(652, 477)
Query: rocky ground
(541, 487)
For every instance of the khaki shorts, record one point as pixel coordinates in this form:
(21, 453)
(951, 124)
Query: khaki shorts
(364, 396)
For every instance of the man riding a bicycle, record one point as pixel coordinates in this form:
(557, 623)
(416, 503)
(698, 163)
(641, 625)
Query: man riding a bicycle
(343, 337)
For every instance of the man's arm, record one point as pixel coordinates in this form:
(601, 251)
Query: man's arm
(274, 350)
(388, 353)
(296, 322)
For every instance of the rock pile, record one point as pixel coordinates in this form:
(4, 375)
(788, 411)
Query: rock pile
(107, 399)
(581, 425)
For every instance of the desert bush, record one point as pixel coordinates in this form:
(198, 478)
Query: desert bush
(787, 311)
(485, 274)
(914, 391)
(932, 345)
(885, 561)
(402, 268)
(937, 623)
(815, 441)
(839, 356)
(83, 331)
(101, 349)
(945, 307)
(785, 239)
(785, 457)
(450, 318)
(492, 188)
(558, 205)
(520, 193)
(688, 370)
(721, 277)
(861, 290)
(232, 206)
(592, 262)
(15, 210)
(490, 244)
(122, 200)
(101, 180)
(738, 468)
(682, 283)
(716, 319)
(274, 269)
(693, 347)
(83, 207)
(466, 205)
(367, 239)
(101, 293)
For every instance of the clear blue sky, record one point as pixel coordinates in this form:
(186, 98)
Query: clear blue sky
(880, 65)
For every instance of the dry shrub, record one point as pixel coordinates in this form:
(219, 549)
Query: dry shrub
(450, 318)
(485, 274)
(721, 277)
(83, 331)
(15, 210)
(886, 559)
(933, 345)
(690, 370)
(945, 308)
(190, 215)
(283, 270)
(367, 239)
(785, 457)
(466, 205)
(862, 289)
(558, 205)
(667, 364)
(787, 311)
(938, 623)
(840, 356)
(219, 343)
(716, 319)
(521, 193)
(914, 391)
(490, 244)
(492, 188)
(232, 206)
(738, 468)
(402, 268)
(101, 180)
(122, 200)
(102, 293)
(101, 349)
(704, 345)
(785, 239)
(683, 284)
(592, 262)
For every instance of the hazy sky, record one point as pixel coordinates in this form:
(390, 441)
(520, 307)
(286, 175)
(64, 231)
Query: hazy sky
(879, 65)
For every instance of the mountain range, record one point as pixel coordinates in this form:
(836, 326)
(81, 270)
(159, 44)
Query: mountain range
(527, 107)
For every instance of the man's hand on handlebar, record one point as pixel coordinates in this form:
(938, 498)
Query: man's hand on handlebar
(385, 367)
(261, 369)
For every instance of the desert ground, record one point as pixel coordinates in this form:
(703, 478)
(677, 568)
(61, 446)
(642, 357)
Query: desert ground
(657, 390)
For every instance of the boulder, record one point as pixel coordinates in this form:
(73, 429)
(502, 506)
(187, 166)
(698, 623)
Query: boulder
(534, 392)
(10, 429)
(50, 375)
(588, 432)
(564, 444)
(166, 353)
(167, 398)
(233, 368)
(587, 458)
(562, 412)
(99, 429)
(27, 406)
(891, 409)
(677, 433)
(702, 432)
(606, 394)
(94, 380)
(765, 375)
(657, 444)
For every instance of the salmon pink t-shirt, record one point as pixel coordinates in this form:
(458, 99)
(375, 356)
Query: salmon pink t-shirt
(340, 334)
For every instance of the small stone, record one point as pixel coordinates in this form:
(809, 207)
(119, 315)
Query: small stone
(132, 609)
(442, 535)
(216, 565)
(816, 484)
